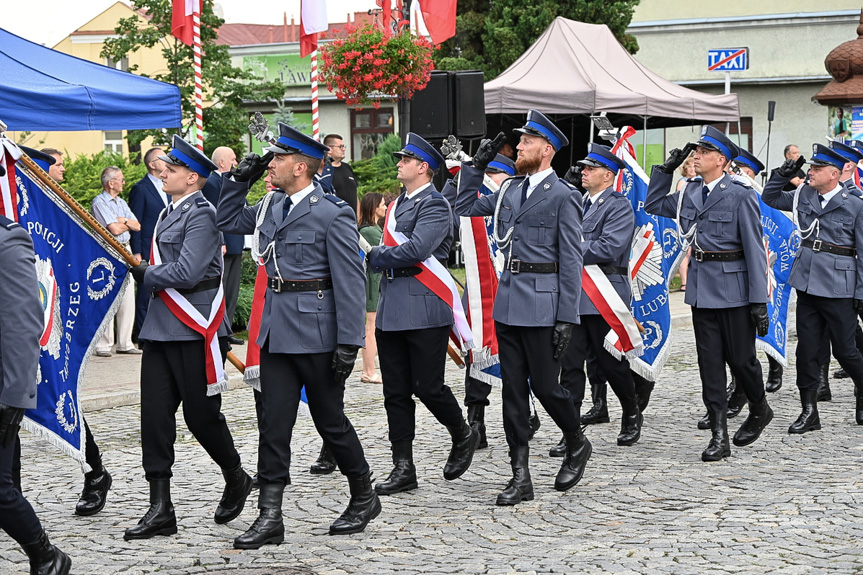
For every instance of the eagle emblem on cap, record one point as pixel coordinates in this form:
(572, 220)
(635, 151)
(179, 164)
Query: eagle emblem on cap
(703, 130)
(814, 149)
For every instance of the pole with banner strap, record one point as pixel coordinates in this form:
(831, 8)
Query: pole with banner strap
(199, 99)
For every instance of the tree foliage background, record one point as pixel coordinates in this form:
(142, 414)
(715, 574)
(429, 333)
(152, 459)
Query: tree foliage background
(226, 87)
(492, 34)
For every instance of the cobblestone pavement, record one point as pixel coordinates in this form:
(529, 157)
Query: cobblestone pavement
(786, 504)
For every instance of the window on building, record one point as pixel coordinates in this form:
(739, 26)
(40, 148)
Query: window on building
(368, 129)
(122, 64)
(113, 141)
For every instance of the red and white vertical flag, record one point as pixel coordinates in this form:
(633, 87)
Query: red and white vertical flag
(9, 154)
(439, 17)
(182, 21)
(186, 27)
(313, 19)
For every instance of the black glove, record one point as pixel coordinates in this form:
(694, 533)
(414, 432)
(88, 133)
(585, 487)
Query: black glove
(858, 307)
(675, 158)
(789, 167)
(344, 359)
(573, 176)
(560, 338)
(760, 317)
(10, 423)
(252, 168)
(138, 271)
(487, 151)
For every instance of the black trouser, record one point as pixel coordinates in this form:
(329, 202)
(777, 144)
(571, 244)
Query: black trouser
(17, 517)
(231, 274)
(527, 352)
(587, 336)
(142, 304)
(824, 351)
(173, 372)
(815, 317)
(283, 375)
(726, 335)
(476, 392)
(91, 453)
(413, 363)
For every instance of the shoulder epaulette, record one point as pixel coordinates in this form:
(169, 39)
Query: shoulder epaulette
(201, 202)
(437, 194)
(335, 199)
(8, 224)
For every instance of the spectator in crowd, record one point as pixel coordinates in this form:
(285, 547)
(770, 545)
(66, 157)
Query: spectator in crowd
(792, 153)
(373, 208)
(343, 178)
(687, 172)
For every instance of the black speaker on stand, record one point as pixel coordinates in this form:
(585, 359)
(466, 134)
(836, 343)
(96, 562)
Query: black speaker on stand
(469, 104)
(430, 107)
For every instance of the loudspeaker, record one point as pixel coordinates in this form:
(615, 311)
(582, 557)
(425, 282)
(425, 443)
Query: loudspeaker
(771, 109)
(469, 104)
(430, 107)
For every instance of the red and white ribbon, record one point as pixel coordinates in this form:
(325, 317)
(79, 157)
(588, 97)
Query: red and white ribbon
(9, 154)
(624, 337)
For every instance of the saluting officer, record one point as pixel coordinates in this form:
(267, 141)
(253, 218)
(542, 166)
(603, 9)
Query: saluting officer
(185, 342)
(826, 274)
(727, 281)
(413, 323)
(608, 224)
(20, 329)
(312, 323)
(538, 226)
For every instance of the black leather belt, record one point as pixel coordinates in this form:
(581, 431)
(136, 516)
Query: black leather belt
(279, 286)
(518, 267)
(819, 246)
(203, 285)
(611, 270)
(729, 256)
(407, 272)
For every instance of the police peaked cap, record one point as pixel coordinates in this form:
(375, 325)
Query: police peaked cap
(750, 161)
(188, 156)
(713, 139)
(418, 148)
(293, 141)
(824, 156)
(850, 153)
(599, 156)
(540, 126)
(501, 165)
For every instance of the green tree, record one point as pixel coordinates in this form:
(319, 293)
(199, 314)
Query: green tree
(492, 35)
(226, 87)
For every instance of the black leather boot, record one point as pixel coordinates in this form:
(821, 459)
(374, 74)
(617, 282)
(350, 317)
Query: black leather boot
(558, 450)
(403, 477)
(362, 508)
(160, 518)
(736, 398)
(643, 390)
(268, 528)
(774, 375)
(534, 422)
(630, 423)
(598, 412)
(325, 463)
(704, 422)
(238, 485)
(824, 393)
(45, 559)
(464, 442)
(520, 487)
(578, 450)
(809, 420)
(476, 419)
(96, 485)
(760, 415)
(718, 446)
(840, 374)
(858, 395)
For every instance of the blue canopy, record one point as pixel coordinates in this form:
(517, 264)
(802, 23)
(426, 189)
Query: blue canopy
(44, 90)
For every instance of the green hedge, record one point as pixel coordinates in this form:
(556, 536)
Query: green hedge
(378, 174)
(83, 175)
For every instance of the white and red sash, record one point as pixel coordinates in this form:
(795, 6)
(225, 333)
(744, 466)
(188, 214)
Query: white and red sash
(435, 277)
(184, 311)
(624, 337)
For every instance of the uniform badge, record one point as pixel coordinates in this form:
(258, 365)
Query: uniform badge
(704, 130)
(313, 199)
(814, 149)
(186, 206)
(722, 186)
(844, 195)
(600, 200)
(546, 186)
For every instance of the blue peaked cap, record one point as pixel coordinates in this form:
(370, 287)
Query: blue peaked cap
(747, 159)
(416, 147)
(501, 165)
(824, 156)
(293, 141)
(185, 154)
(850, 153)
(599, 156)
(713, 139)
(538, 125)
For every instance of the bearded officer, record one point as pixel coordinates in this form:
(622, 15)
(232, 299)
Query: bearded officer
(185, 341)
(312, 323)
(825, 273)
(538, 227)
(727, 282)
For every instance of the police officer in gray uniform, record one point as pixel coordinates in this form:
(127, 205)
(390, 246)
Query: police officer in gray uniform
(826, 274)
(607, 226)
(20, 328)
(727, 282)
(177, 359)
(538, 226)
(312, 322)
(413, 324)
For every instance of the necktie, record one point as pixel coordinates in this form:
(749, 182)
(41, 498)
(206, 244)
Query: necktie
(704, 191)
(524, 188)
(587, 205)
(287, 207)
(823, 202)
(168, 211)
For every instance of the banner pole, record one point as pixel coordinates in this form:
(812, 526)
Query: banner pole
(199, 104)
(316, 130)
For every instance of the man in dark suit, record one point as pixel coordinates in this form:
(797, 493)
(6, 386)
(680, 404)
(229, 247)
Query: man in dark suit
(146, 200)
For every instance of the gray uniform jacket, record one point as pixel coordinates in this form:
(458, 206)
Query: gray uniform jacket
(731, 220)
(405, 304)
(190, 246)
(852, 189)
(608, 228)
(21, 317)
(546, 229)
(318, 240)
(841, 224)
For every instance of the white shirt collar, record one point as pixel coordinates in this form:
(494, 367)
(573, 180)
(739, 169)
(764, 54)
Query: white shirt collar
(711, 185)
(829, 195)
(156, 182)
(536, 178)
(301, 195)
(416, 191)
(184, 198)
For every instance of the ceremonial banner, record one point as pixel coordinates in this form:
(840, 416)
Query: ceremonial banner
(81, 281)
(655, 255)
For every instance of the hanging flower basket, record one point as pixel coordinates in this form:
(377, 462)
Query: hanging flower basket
(367, 65)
